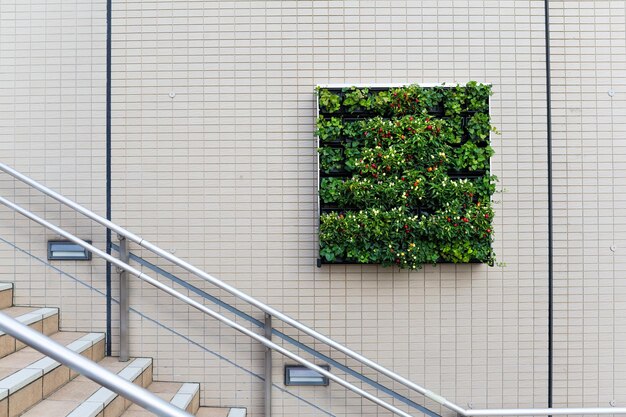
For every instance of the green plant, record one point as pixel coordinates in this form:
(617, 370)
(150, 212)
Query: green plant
(431, 99)
(478, 96)
(473, 157)
(404, 100)
(381, 102)
(332, 191)
(454, 100)
(464, 233)
(479, 127)
(353, 130)
(356, 99)
(329, 102)
(331, 159)
(352, 153)
(402, 201)
(330, 129)
(452, 130)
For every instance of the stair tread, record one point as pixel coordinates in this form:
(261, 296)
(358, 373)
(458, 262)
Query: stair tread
(212, 412)
(63, 401)
(24, 357)
(16, 311)
(202, 412)
(165, 390)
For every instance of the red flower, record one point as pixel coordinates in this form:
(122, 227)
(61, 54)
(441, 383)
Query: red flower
(465, 219)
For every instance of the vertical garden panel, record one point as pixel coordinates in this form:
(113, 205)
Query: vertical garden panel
(404, 174)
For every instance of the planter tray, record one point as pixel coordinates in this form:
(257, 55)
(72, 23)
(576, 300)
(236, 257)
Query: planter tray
(321, 261)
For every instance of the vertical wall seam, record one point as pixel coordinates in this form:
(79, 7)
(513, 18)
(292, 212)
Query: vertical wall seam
(550, 207)
(108, 176)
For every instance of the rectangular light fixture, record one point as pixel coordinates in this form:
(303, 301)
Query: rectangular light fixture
(62, 250)
(301, 375)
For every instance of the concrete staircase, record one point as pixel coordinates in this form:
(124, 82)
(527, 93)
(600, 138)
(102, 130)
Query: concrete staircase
(33, 385)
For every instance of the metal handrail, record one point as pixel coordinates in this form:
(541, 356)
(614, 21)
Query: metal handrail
(160, 272)
(90, 369)
(232, 290)
(198, 306)
(269, 310)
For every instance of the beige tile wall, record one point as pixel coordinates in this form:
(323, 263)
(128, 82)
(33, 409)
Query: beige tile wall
(214, 159)
(52, 127)
(588, 47)
(223, 173)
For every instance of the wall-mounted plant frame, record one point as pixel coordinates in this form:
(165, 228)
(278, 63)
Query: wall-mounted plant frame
(404, 174)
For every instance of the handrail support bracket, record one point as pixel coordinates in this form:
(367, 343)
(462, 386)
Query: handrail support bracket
(268, 366)
(124, 301)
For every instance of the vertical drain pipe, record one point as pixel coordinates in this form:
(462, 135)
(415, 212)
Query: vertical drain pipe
(550, 207)
(108, 175)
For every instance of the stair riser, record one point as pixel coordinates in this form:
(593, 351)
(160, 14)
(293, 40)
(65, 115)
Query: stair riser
(107, 404)
(193, 407)
(145, 379)
(6, 298)
(24, 398)
(95, 353)
(62, 375)
(48, 326)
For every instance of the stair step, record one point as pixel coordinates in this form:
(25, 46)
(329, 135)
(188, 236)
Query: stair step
(6, 295)
(220, 412)
(85, 398)
(27, 376)
(44, 320)
(184, 396)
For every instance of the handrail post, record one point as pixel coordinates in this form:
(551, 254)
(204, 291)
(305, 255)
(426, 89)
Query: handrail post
(268, 367)
(124, 301)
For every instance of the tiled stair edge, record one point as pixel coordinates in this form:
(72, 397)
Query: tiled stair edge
(97, 402)
(35, 316)
(36, 370)
(185, 395)
(237, 412)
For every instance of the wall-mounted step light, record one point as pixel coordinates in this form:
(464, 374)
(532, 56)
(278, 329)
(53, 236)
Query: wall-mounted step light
(62, 250)
(301, 375)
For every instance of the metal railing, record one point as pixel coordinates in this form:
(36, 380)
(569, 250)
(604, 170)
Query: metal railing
(198, 306)
(273, 313)
(90, 369)
(160, 272)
